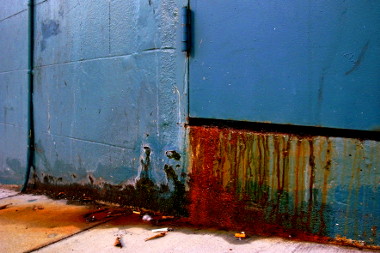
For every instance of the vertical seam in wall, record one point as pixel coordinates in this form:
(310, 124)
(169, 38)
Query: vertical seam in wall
(187, 88)
(109, 27)
(158, 80)
(187, 70)
(30, 117)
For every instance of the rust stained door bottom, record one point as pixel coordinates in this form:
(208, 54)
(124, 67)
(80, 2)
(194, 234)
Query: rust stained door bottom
(276, 183)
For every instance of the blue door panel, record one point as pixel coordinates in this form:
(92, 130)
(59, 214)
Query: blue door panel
(313, 63)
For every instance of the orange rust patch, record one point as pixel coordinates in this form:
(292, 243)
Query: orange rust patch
(45, 216)
(25, 227)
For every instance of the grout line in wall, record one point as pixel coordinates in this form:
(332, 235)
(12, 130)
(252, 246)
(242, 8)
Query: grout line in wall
(89, 141)
(107, 57)
(13, 15)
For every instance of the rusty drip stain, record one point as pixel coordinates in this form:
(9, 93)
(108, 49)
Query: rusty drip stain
(311, 180)
(358, 184)
(234, 145)
(240, 168)
(354, 184)
(266, 157)
(261, 159)
(277, 165)
(296, 182)
(326, 173)
(285, 165)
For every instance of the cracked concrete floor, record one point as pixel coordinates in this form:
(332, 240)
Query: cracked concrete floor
(38, 224)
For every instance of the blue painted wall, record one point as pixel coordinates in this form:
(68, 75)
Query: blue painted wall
(13, 90)
(312, 63)
(108, 83)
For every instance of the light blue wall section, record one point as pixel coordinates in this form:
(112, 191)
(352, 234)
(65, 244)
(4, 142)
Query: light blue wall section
(13, 90)
(109, 81)
(11, 8)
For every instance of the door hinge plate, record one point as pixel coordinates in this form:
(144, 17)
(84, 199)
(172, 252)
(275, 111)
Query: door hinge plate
(186, 32)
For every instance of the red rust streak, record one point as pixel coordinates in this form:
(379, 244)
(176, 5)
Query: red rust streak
(311, 182)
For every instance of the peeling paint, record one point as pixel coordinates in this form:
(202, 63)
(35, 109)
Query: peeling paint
(172, 154)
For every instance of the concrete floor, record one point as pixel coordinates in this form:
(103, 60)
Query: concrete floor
(38, 224)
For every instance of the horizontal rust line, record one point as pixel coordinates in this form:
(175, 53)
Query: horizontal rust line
(288, 129)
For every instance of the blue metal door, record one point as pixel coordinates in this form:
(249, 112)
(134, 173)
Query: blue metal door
(312, 63)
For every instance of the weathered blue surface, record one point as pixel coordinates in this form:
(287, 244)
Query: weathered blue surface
(313, 63)
(13, 90)
(109, 81)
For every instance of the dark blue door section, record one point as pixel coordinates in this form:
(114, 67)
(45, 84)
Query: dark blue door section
(301, 62)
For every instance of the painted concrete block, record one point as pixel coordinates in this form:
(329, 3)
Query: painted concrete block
(13, 102)
(12, 7)
(14, 42)
(13, 90)
(70, 31)
(142, 25)
(61, 159)
(12, 153)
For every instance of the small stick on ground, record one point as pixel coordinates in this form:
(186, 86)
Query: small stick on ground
(118, 242)
(5, 206)
(156, 236)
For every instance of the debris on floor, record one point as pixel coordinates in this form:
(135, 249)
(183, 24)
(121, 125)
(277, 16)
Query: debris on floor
(52, 235)
(118, 242)
(61, 195)
(167, 217)
(154, 218)
(156, 236)
(240, 235)
(162, 230)
(91, 219)
(96, 215)
(37, 207)
(147, 217)
(5, 206)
